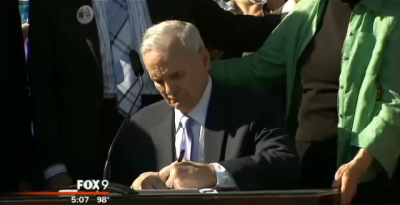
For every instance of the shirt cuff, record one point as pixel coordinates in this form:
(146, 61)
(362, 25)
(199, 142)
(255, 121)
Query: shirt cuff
(54, 170)
(224, 179)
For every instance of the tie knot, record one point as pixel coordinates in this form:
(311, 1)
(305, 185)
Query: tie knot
(186, 121)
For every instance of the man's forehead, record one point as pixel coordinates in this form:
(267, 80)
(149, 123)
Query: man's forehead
(159, 73)
(160, 66)
(166, 57)
(153, 57)
(156, 62)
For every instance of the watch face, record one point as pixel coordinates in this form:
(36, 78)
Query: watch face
(258, 1)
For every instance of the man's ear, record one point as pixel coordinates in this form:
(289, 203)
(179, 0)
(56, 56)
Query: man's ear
(205, 55)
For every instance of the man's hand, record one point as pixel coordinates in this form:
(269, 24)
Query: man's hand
(348, 175)
(149, 180)
(59, 181)
(187, 174)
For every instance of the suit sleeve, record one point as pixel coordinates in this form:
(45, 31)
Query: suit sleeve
(223, 30)
(42, 64)
(275, 163)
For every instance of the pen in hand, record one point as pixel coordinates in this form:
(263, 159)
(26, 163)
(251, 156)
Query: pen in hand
(180, 158)
(181, 155)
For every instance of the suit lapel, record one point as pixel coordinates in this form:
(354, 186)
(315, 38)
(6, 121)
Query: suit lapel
(88, 32)
(163, 138)
(214, 132)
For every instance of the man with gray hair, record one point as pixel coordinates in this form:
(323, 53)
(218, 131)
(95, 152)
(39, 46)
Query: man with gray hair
(80, 67)
(225, 135)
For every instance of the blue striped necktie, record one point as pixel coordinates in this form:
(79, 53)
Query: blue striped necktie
(187, 138)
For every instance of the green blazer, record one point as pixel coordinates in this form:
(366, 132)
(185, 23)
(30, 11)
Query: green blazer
(369, 94)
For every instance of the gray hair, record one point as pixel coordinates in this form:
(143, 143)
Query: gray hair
(159, 36)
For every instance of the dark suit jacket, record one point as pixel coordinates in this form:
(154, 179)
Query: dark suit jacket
(66, 75)
(243, 131)
(14, 103)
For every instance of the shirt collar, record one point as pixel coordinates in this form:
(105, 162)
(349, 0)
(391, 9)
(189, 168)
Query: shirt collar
(199, 112)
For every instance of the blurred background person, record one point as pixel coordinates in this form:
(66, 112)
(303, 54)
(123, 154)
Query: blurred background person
(15, 139)
(25, 30)
(343, 109)
(254, 8)
(24, 10)
(246, 7)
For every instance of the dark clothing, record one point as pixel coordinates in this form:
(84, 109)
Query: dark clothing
(320, 65)
(394, 185)
(279, 90)
(15, 127)
(110, 122)
(375, 191)
(240, 134)
(318, 163)
(320, 73)
(66, 74)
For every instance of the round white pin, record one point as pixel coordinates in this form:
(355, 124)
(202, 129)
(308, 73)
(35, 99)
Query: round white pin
(85, 14)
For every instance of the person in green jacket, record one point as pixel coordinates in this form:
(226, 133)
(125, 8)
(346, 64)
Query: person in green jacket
(342, 70)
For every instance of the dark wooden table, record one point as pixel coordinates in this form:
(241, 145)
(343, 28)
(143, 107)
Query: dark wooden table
(253, 197)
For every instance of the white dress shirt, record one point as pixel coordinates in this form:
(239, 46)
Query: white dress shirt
(139, 17)
(199, 116)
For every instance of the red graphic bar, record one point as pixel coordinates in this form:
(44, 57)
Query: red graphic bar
(104, 193)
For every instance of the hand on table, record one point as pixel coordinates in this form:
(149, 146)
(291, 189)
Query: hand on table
(188, 174)
(149, 180)
(348, 175)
